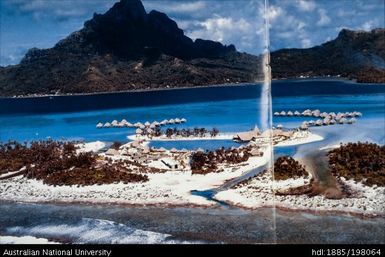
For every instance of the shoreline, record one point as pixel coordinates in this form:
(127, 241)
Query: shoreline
(332, 78)
(132, 91)
(258, 192)
(231, 205)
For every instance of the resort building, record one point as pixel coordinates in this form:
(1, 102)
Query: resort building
(247, 136)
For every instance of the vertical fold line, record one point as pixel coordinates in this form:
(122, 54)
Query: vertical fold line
(267, 94)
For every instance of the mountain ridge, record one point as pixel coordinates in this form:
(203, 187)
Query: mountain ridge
(127, 48)
(356, 55)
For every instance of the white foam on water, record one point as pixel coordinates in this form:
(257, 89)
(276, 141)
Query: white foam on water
(24, 240)
(96, 231)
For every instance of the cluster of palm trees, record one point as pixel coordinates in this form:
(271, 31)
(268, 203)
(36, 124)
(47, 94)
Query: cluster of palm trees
(58, 163)
(286, 167)
(206, 162)
(185, 132)
(363, 162)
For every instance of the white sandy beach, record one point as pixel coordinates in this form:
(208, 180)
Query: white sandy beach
(90, 147)
(301, 138)
(170, 188)
(258, 193)
(174, 187)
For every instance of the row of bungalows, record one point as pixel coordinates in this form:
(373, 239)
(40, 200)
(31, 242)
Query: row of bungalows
(317, 113)
(124, 123)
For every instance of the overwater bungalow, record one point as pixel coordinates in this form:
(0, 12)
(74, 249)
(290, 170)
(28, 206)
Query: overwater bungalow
(129, 124)
(171, 121)
(164, 122)
(316, 113)
(303, 127)
(99, 125)
(114, 123)
(276, 113)
(339, 116)
(283, 113)
(324, 115)
(311, 122)
(342, 120)
(152, 126)
(319, 123)
(138, 124)
(352, 120)
(290, 113)
(357, 114)
(147, 124)
(297, 113)
(142, 126)
(177, 121)
(138, 131)
(183, 120)
(306, 113)
(107, 125)
(326, 122)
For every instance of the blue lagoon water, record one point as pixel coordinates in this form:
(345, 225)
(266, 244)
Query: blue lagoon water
(230, 109)
(220, 112)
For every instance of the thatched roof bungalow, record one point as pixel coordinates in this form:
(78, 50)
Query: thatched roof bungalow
(247, 136)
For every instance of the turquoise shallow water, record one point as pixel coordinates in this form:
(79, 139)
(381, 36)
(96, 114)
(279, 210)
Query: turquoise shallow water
(230, 109)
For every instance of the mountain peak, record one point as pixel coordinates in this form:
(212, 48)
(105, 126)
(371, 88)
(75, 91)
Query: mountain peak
(127, 31)
(130, 8)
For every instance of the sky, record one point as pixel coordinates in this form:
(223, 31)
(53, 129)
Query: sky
(293, 23)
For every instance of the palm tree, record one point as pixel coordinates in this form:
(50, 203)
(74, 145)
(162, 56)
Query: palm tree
(169, 132)
(196, 132)
(202, 132)
(214, 132)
